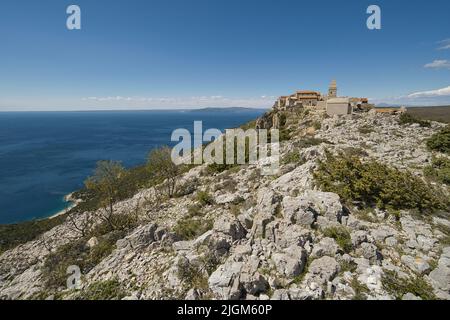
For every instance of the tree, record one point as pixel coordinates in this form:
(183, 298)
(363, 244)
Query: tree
(105, 183)
(80, 223)
(163, 169)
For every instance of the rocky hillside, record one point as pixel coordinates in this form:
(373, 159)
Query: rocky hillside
(359, 210)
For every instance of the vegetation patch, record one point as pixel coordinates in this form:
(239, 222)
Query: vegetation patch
(77, 253)
(293, 157)
(342, 237)
(398, 287)
(192, 227)
(440, 141)
(308, 142)
(192, 276)
(103, 290)
(376, 184)
(439, 170)
(317, 125)
(361, 290)
(204, 198)
(365, 129)
(407, 119)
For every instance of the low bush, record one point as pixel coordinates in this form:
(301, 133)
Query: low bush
(375, 184)
(406, 118)
(440, 141)
(192, 227)
(76, 253)
(103, 290)
(310, 142)
(342, 237)
(365, 129)
(361, 290)
(204, 198)
(317, 125)
(398, 287)
(439, 170)
(293, 157)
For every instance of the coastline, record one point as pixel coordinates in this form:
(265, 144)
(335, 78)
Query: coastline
(67, 198)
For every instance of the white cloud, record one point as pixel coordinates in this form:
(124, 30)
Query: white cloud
(432, 93)
(438, 64)
(444, 44)
(419, 98)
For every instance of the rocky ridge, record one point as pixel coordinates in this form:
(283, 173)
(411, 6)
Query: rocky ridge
(270, 235)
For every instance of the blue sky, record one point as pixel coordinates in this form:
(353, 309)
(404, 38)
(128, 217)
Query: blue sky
(195, 53)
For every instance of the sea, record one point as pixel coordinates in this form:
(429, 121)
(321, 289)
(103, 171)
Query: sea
(47, 155)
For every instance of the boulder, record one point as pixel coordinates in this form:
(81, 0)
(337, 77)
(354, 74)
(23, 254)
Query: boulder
(298, 210)
(325, 203)
(326, 247)
(440, 277)
(224, 282)
(143, 235)
(291, 261)
(292, 235)
(230, 226)
(416, 264)
(322, 270)
(92, 242)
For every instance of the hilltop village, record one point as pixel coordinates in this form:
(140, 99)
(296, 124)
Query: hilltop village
(329, 104)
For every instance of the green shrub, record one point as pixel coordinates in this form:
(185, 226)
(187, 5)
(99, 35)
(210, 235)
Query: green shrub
(55, 266)
(361, 290)
(195, 211)
(309, 142)
(192, 227)
(285, 135)
(204, 198)
(376, 184)
(406, 118)
(293, 157)
(398, 287)
(76, 253)
(103, 290)
(342, 237)
(365, 129)
(317, 125)
(440, 141)
(355, 152)
(439, 170)
(192, 276)
(445, 240)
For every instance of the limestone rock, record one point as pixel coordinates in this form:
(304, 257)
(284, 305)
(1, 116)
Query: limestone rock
(291, 261)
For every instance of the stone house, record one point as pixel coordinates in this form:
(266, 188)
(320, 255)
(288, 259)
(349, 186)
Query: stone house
(339, 106)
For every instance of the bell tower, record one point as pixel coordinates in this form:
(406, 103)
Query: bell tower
(332, 91)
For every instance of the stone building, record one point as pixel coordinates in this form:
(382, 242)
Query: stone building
(307, 98)
(339, 106)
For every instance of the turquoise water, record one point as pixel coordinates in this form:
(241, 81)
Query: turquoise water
(46, 155)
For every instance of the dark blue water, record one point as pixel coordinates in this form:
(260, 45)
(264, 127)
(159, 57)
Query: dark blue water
(46, 155)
